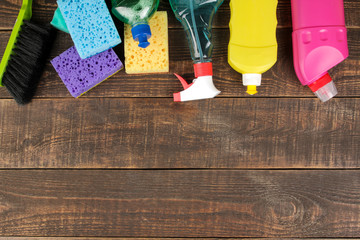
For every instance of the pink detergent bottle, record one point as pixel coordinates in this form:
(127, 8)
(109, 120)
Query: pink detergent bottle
(319, 43)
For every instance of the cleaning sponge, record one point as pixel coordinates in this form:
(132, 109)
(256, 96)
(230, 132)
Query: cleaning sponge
(59, 22)
(154, 58)
(80, 75)
(90, 25)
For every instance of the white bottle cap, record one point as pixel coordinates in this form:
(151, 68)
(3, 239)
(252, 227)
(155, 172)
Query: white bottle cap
(251, 79)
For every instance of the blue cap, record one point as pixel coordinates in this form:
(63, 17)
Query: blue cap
(141, 33)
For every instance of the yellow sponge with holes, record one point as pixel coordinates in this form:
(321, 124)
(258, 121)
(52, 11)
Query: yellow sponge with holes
(154, 58)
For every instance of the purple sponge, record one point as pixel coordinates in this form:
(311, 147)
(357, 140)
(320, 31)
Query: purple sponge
(80, 75)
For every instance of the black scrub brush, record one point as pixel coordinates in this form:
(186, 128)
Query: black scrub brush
(25, 55)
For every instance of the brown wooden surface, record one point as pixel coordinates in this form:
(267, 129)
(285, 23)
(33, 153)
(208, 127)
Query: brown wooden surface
(132, 238)
(125, 161)
(180, 203)
(157, 133)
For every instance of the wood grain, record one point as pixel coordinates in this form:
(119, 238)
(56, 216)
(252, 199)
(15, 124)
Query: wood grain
(91, 238)
(157, 133)
(180, 203)
(143, 238)
(132, 238)
(43, 11)
(128, 162)
(279, 81)
(94, 238)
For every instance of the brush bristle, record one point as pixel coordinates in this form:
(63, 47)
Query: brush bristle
(27, 62)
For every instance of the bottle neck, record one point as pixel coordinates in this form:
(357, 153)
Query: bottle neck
(203, 69)
(143, 22)
(324, 88)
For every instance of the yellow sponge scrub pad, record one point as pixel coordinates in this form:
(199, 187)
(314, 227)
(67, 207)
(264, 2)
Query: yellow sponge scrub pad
(154, 58)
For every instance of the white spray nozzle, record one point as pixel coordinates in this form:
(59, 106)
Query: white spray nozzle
(201, 88)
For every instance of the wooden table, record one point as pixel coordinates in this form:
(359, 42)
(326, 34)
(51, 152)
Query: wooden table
(125, 161)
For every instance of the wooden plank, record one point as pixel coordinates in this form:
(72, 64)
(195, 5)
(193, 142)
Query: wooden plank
(280, 81)
(143, 238)
(88, 238)
(180, 203)
(43, 11)
(101, 238)
(107, 238)
(92, 238)
(157, 133)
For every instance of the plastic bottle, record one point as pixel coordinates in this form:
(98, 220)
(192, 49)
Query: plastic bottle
(319, 43)
(137, 14)
(196, 17)
(253, 46)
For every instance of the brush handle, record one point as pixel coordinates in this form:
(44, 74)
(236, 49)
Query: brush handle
(24, 14)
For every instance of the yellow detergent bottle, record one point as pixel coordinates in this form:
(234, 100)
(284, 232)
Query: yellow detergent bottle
(253, 45)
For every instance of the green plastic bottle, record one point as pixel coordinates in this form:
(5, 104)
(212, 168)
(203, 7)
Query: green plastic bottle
(196, 17)
(137, 14)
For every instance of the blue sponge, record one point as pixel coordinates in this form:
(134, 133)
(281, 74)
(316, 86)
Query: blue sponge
(90, 25)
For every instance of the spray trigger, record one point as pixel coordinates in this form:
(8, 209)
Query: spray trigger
(183, 81)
